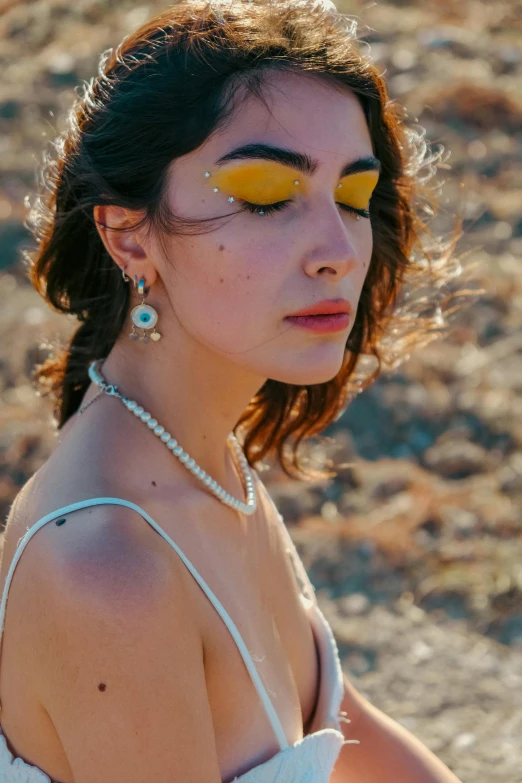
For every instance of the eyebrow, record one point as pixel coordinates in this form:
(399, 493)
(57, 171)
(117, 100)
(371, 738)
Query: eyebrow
(296, 160)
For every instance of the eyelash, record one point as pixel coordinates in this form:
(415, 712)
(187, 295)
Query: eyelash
(279, 205)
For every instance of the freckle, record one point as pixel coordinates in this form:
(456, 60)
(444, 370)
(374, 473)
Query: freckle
(221, 280)
(248, 277)
(101, 686)
(222, 247)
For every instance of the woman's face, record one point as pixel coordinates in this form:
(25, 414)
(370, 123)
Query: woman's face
(232, 288)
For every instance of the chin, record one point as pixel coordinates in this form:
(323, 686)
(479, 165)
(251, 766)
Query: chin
(307, 376)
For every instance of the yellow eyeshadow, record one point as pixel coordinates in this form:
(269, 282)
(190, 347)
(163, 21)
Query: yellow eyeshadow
(355, 190)
(267, 182)
(260, 182)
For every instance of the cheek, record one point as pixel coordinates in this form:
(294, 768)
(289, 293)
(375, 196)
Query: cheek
(227, 288)
(367, 248)
(235, 270)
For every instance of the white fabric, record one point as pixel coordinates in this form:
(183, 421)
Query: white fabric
(310, 760)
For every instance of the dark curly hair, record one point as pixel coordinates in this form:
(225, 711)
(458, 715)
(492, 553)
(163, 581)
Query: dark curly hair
(173, 82)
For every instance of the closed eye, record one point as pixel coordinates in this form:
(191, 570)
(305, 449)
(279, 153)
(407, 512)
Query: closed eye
(268, 209)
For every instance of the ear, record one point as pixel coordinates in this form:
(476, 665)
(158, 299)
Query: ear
(126, 248)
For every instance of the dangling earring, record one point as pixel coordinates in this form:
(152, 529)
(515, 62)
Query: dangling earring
(143, 316)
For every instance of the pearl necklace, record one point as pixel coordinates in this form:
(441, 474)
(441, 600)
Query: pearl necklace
(172, 444)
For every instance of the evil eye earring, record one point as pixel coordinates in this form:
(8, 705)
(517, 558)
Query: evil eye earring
(143, 316)
(262, 211)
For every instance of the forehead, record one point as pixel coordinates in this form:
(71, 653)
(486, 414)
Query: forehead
(303, 113)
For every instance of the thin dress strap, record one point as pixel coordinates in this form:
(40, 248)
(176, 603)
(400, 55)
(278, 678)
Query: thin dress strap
(254, 674)
(303, 580)
(332, 669)
(307, 588)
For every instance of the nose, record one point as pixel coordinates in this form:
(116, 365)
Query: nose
(332, 248)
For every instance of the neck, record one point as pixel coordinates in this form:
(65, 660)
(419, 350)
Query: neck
(196, 395)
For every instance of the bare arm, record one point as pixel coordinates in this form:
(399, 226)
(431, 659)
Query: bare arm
(387, 751)
(120, 666)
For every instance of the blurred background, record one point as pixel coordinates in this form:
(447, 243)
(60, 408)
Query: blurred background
(415, 548)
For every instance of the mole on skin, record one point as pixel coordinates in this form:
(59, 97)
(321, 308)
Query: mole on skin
(101, 686)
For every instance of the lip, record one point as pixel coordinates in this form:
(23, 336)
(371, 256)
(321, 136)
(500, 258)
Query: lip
(334, 322)
(326, 307)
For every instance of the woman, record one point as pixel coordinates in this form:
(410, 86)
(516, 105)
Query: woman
(231, 168)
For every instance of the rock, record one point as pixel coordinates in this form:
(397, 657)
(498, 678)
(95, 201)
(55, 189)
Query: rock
(456, 459)
(357, 603)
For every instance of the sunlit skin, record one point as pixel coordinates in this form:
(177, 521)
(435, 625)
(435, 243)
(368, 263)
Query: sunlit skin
(222, 296)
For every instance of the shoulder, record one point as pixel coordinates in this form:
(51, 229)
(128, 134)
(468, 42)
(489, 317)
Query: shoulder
(117, 657)
(103, 561)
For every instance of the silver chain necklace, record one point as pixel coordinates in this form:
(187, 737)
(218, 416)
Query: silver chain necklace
(172, 444)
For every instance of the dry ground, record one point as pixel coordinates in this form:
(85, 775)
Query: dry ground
(416, 547)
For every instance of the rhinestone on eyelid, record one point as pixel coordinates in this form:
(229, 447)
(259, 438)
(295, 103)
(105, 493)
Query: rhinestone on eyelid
(261, 212)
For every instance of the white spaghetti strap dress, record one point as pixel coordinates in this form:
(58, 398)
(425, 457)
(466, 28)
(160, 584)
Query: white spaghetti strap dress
(309, 760)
